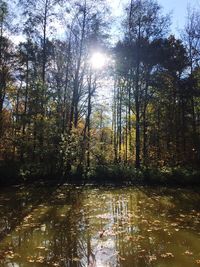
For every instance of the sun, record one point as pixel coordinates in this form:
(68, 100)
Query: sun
(97, 60)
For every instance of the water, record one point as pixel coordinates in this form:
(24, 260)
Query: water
(84, 226)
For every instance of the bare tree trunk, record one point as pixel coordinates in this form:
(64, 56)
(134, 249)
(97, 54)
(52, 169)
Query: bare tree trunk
(115, 124)
(44, 56)
(24, 122)
(65, 111)
(75, 98)
(88, 120)
(129, 117)
(3, 77)
(44, 59)
(137, 103)
(119, 123)
(145, 152)
(126, 136)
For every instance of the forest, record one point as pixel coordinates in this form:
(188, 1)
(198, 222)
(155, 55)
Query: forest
(99, 134)
(85, 96)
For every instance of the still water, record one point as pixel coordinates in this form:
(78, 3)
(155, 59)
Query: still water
(88, 226)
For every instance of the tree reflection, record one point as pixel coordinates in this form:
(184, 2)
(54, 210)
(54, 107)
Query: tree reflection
(82, 227)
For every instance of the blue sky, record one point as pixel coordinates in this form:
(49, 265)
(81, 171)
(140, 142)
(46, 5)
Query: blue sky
(179, 11)
(177, 7)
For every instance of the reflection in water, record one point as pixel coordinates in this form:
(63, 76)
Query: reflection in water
(76, 226)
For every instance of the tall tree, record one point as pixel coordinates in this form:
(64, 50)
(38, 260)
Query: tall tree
(144, 23)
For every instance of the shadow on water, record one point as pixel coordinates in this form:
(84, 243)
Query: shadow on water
(87, 226)
(19, 201)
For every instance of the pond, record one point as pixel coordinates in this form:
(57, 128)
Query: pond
(89, 226)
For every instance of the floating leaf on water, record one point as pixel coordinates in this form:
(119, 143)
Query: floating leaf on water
(43, 227)
(41, 248)
(167, 255)
(75, 259)
(152, 258)
(142, 251)
(156, 222)
(174, 224)
(55, 264)
(128, 238)
(30, 259)
(10, 256)
(188, 253)
(40, 259)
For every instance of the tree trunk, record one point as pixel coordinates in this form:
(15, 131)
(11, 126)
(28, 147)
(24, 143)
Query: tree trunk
(137, 103)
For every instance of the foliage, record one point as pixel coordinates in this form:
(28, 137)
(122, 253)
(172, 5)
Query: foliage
(51, 120)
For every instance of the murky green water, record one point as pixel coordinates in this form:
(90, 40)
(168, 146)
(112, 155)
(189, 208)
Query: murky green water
(76, 226)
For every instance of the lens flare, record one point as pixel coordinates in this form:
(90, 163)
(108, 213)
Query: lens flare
(97, 60)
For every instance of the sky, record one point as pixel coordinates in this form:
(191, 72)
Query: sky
(179, 11)
(178, 8)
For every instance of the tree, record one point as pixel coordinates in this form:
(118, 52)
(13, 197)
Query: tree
(144, 23)
(191, 38)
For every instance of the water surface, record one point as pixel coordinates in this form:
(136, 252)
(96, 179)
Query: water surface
(84, 226)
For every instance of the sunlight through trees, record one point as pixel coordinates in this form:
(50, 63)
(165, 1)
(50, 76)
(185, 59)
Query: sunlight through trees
(52, 121)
